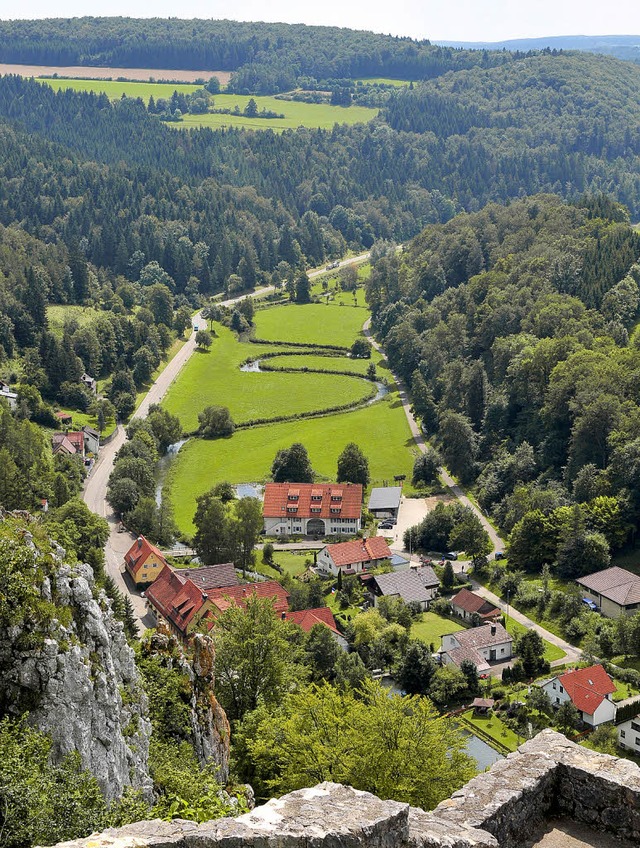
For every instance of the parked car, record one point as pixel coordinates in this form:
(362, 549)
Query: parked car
(499, 555)
(386, 525)
(451, 555)
(589, 603)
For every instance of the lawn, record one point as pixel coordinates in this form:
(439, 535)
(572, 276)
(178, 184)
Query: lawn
(430, 627)
(317, 115)
(314, 323)
(334, 363)
(491, 729)
(114, 90)
(214, 377)
(85, 419)
(58, 315)
(623, 690)
(551, 652)
(293, 563)
(381, 430)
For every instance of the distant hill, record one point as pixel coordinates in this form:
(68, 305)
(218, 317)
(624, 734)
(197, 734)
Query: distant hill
(621, 46)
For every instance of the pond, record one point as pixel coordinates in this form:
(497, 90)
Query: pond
(482, 753)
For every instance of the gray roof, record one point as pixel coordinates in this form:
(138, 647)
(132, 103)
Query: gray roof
(406, 584)
(617, 584)
(428, 576)
(482, 637)
(385, 498)
(466, 652)
(210, 576)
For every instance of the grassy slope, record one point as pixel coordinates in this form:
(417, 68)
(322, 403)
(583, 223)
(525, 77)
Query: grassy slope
(114, 90)
(214, 377)
(313, 323)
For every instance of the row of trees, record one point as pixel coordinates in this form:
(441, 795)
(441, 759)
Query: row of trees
(292, 465)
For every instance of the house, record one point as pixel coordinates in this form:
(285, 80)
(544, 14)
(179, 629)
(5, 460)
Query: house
(208, 577)
(615, 591)
(89, 382)
(353, 557)
(629, 734)
(466, 604)
(91, 440)
(407, 585)
(76, 437)
(61, 444)
(144, 561)
(312, 509)
(65, 418)
(8, 395)
(384, 502)
(185, 606)
(307, 620)
(480, 645)
(589, 689)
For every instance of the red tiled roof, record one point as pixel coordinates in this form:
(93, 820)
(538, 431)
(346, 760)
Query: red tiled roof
(59, 442)
(347, 497)
(306, 619)
(76, 439)
(64, 416)
(224, 597)
(359, 550)
(587, 687)
(177, 600)
(471, 603)
(139, 553)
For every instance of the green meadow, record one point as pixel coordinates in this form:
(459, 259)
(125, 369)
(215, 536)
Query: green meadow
(114, 90)
(313, 323)
(381, 430)
(58, 315)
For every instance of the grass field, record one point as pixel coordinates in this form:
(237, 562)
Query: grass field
(381, 430)
(292, 562)
(214, 377)
(384, 81)
(84, 419)
(431, 627)
(491, 727)
(114, 90)
(314, 323)
(335, 363)
(551, 652)
(57, 315)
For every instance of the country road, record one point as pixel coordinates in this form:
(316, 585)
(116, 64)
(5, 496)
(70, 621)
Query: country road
(95, 488)
(573, 654)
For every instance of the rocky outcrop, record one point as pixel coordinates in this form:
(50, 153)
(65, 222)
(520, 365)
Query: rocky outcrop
(209, 724)
(78, 679)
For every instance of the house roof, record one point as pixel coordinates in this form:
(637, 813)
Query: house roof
(470, 602)
(76, 437)
(428, 576)
(211, 576)
(359, 550)
(587, 687)
(387, 497)
(278, 497)
(177, 600)
(61, 444)
(306, 619)
(91, 432)
(63, 416)
(616, 584)
(88, 378)
(467, 652)
(482, 703)
(139, 553)
(407, 584)
(225, 596)
(482, 637)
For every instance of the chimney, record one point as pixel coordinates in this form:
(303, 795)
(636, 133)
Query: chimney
(205, 597)
(493, 630)
(139, 542)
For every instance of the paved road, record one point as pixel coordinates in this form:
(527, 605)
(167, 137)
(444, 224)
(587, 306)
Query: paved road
(573, 654)
(95, 489)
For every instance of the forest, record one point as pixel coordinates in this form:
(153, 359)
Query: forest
(516, 329)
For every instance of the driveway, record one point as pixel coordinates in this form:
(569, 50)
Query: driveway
(411, 512)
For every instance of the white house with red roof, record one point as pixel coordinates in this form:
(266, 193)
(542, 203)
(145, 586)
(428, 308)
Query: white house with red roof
(466, 604)
(589, 689)
(308, 619)
(312, 509)
(353, 557)
(482, 646)
(144, 561)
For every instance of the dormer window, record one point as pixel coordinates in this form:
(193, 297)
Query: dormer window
(292, 509)
(335, 510)
(316, 509)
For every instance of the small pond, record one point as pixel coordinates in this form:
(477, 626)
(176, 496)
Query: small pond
(482, 753)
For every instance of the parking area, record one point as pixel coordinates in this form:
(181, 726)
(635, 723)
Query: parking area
(412, 511)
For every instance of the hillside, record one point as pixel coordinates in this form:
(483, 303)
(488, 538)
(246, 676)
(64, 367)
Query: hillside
(620, 46)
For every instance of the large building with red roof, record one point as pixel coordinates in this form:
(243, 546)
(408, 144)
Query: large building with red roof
(589, 690)
(466, 604)
(353, 557)
(187, 603)
(143, 561)
(312, 509)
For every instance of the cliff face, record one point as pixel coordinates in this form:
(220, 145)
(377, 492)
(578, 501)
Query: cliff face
(76, 675)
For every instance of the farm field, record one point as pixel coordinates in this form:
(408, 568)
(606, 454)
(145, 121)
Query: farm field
(384, 81)
(115, 89)
(381, 430)
(314, 323)
(316, 115)
(142, 74)
(214, 377)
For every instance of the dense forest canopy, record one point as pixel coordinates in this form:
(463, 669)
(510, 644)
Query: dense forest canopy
(516, 328)
(268, 57)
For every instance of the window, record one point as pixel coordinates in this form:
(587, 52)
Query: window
(622, 734)
(316, 497)
(557, 700)
(336, 497)
(637, 740)
(335, 510)
(554, 684)
(292, 509)
(561, 689)
(316, 509)
(502, 650)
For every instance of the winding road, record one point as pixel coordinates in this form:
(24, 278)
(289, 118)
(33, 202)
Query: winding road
(572, 653)
(95, 488)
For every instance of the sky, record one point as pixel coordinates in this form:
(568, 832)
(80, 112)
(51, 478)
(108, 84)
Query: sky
(453, 20)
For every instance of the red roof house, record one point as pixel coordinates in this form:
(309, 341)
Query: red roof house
(353, 557)
(466, 604)
(307, 619)
(61, 444)
(77, 440)
(144, 561)
(225, 597)
(589, 689)
(312, 509)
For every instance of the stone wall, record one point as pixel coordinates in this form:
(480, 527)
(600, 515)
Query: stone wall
(501, 808)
